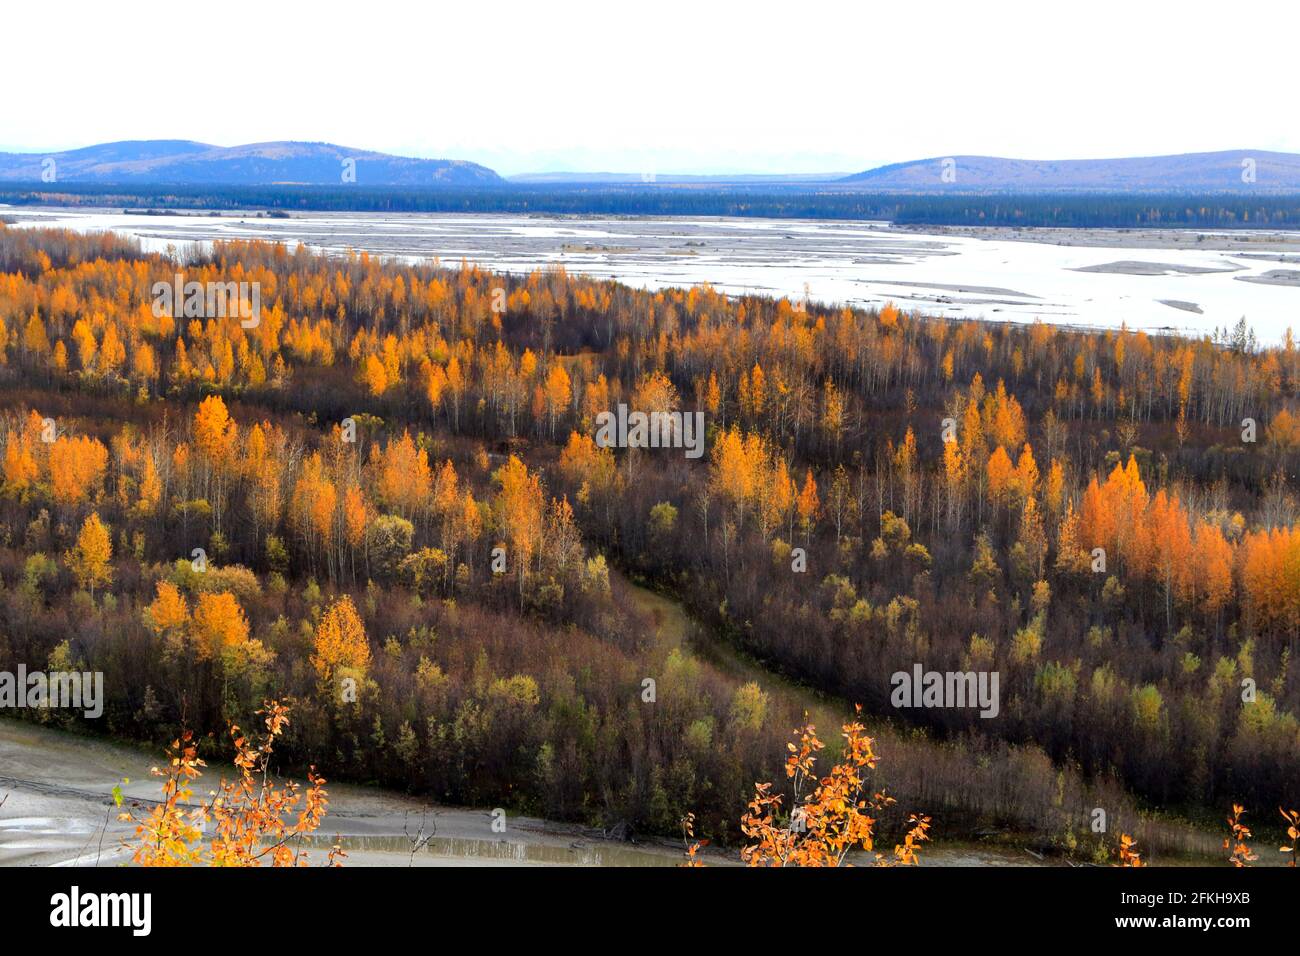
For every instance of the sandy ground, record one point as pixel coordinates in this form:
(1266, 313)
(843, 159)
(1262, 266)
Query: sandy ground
(1132, 268)
(57, 811)
(1286, 277)
(1209, 240)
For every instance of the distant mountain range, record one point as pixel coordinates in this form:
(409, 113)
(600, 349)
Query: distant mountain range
(167, 162)
(1230, 170)
(702, 179)
(182, 162)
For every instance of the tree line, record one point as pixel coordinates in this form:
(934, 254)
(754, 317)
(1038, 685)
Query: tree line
(828, 201)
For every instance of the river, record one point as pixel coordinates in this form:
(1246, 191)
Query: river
(1152, 279)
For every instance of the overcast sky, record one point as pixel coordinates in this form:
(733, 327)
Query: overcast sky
(698, 86)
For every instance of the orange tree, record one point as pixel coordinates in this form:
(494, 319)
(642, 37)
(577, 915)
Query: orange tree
(832, 816)
(253, 820)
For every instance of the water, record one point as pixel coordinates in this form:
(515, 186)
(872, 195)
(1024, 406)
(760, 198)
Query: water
(1192, 282)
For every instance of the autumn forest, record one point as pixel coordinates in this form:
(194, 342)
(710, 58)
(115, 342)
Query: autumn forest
(384, 500)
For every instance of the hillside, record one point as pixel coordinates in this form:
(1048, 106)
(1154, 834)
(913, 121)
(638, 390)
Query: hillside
(1212, 172)
(183, 162)
(390, 502)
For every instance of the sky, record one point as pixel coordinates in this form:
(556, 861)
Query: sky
(706, 86)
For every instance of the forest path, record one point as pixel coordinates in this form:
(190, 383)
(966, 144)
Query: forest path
(676, 628)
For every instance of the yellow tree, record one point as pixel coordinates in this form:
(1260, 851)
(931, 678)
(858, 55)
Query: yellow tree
(1070, 556)
(20, 467)
(1054, 492)
(558, 393)
(1001, 475)
(1004, 419)
(403, 478)
(589, 469)
(435, 383)
(954, 480)
(143, 364)
(34, 337)
(218, 623)
(150, 487)
(655, 393)
(356, 518)
(112, 352)
(1026, 477)
(214, 435)
(1212, 576)
(833, 415)
(374, 375)
(518, 509)
(778, 497)
(214, 432)
(169, 612)
(89, 558)
(808, 505)
(312, 509)
(1033, 537)
(732, 473)
(341, 646)
(77, 467)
